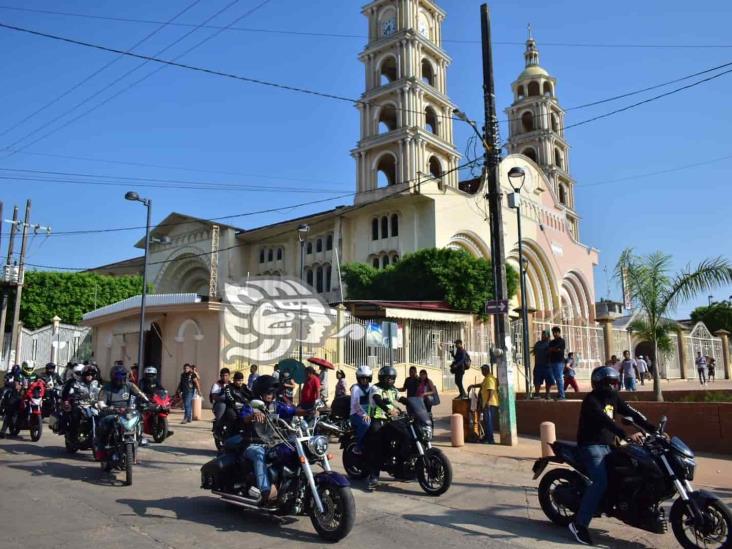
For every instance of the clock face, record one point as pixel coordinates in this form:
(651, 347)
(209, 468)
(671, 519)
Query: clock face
(389, 27)
(423, 26)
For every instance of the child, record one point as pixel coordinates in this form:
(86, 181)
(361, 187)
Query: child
(488, 400)
(341, 384)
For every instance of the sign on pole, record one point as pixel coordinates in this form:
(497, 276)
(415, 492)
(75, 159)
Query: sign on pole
(496, 307)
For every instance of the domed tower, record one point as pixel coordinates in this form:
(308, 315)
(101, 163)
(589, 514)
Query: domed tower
(406, 116)
(536, 128)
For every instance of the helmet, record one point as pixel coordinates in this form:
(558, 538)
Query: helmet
(150, 371)
(78, 370)
(118, 374)
(239, 375)
(50, 367)
(387, 372)
(27, 368)
(364, 371)
(264, 385)
(605, 377)
(15, 370)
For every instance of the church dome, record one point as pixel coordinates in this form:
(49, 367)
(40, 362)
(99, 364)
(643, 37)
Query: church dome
(532, 71)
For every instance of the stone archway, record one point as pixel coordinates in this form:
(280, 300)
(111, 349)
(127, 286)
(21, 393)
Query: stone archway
(184, 273)
(187, 342)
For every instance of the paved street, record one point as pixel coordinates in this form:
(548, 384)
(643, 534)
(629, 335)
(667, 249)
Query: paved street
(71, 503)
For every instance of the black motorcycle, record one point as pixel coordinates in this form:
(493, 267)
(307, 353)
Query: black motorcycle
(407, 451)
(640, 478)
(223, 429)
(83, 437)
(51, 400)
(293, 450)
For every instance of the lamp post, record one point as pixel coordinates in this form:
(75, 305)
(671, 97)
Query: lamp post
(134, 197)
(517, 178)
(710, 298)
(302, 233)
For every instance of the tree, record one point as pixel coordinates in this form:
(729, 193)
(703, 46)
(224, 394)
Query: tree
(69, 295)
(455, 276)
(656, 293)
(717, 316)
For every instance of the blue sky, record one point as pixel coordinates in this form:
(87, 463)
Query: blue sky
(223, 131)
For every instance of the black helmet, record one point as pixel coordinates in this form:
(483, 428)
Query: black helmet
(387, 372)
(118, 375)
(264, 385)
(605, 377)
(238, 375)
(50, 367)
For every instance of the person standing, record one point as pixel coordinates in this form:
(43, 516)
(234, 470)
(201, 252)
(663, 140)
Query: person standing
(711, 363)
(187, 387)
(253, 375)
(340, 389)
(276, 372)
(556, 360)
(701, 367)
(460, 362)
(628, 371)
(323, 376)
(216, 395)
(542, 370)
(570, 374)
(642, 369)
(411, 384)
(310, 389)
(488, 401)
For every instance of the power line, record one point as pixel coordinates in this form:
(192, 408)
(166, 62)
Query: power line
(362, 36)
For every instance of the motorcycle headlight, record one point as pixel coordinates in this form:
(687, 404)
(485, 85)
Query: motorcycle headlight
(426, 432)
(318, 445)
(688, 465)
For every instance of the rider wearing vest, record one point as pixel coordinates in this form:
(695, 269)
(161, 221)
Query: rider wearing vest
(21, 383)
(78, 390)
(383, 398)
(50, 377)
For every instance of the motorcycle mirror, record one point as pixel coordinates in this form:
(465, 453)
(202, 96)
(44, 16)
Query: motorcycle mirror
(662, 424)
(258, 405)
(627, 421)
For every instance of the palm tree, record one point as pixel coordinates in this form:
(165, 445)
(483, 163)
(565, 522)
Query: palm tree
(656, 293)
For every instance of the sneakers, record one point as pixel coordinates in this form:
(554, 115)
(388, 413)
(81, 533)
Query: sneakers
(581, 534)
(372, 485)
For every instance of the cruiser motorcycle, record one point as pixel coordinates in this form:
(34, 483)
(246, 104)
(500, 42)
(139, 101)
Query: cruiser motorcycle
(86, 432)
(640, 478)
(293, 451)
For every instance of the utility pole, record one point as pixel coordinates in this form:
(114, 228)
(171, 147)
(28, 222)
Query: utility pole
(498, 256)
(6, 281)
(21, 275)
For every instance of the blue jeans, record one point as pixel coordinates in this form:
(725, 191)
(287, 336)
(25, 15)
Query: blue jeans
(188, 406)
(629, 383)
(257, 455)
(593, 458)
(488, 413)
(558, 373)
(361, 427)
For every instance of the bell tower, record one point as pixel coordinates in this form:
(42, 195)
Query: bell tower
(406, 116)
(536, 128)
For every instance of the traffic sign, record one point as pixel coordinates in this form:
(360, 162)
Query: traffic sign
(496, 307)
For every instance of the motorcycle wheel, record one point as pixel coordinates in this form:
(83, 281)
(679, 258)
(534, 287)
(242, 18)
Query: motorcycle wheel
(339, 512)
(160, 430)
(71, 447)
(354, 464)
(714, 533)
(562, 479)
(129, 461)
(434, 472)
(36, 429)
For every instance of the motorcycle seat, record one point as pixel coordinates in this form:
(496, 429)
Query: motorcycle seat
(569, 453)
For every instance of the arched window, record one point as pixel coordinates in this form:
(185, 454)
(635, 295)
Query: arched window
(387, 119)
(329, 242)
(386, 171)
(558, 159)
(309, 276)
(309, 248)
(375, 229)
(428, 73)
(388, 70)
(562, 194)
(319, 245)
(534, 89)
(385, 261)
(384, 227)
(394, 225)
(430, 120)
(270, 254)
(395, 258)
(527, 121)
(435, 167)
(328, 278)
(547, 89)
(319, 280)
(375, 262)
(261, 255)
(520, 92)
(279, 254)
(555, 123)
(529, 152)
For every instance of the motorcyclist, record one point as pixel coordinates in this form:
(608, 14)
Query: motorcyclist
(149, 383)
(21, 383)
(50, 377)
(383, 397)
(596, 433)
(74, 373)
(360, 404)
(256, 432)
(9, 384)
(235, 395)
(116, 394)
(86, 388)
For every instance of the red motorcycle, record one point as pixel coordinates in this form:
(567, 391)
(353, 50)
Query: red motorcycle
(155, 415)
(29, 413)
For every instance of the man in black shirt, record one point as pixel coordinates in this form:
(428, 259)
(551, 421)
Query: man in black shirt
(595, 435)
(556, 360)
(411, 384)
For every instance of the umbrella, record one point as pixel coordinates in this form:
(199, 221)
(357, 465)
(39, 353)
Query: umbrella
(321, 362)
(295, 368)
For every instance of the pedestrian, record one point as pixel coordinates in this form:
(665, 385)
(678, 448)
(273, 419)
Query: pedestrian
(411, 384)
(310, 389)
(542, 370)
(642, 369)
(570, 374)
(701, 367)
(340, 389)
(287, 388)
(460, 363)
(711, 364)
(651, 367)
(488, 401)
(323, 376)
(253, 375)
(134, 374)
(427, 390)
(556, 360)
(276, 372)
(187, 388)
(216, 396)
(628, 371)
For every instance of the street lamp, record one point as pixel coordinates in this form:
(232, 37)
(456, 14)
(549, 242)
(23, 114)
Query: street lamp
(302, 233)
(134, 197)
(517, 178)
(710, 298)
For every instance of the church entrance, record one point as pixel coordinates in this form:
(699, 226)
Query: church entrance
(153, 348)
(645, 348)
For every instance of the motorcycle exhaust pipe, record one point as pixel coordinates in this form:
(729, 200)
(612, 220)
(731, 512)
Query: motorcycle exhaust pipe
(238, 500)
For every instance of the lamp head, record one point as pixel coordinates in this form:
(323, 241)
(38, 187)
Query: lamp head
(132, 195)
(519, 175)
(302, 231)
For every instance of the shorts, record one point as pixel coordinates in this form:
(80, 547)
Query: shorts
(543, 374)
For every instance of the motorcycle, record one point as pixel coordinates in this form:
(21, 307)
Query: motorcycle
(293, 451)
(223, 429)
(337, 416)
(28, 415)
(640, 478)
(86, 431)
(407, 452)
(51, 398)
(120, 448)
(155, 416)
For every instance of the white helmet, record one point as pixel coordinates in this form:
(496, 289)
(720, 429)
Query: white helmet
(77, 370)
(150, 370)
(364, 371)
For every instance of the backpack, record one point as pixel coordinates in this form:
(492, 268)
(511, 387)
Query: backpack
(467, 362)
